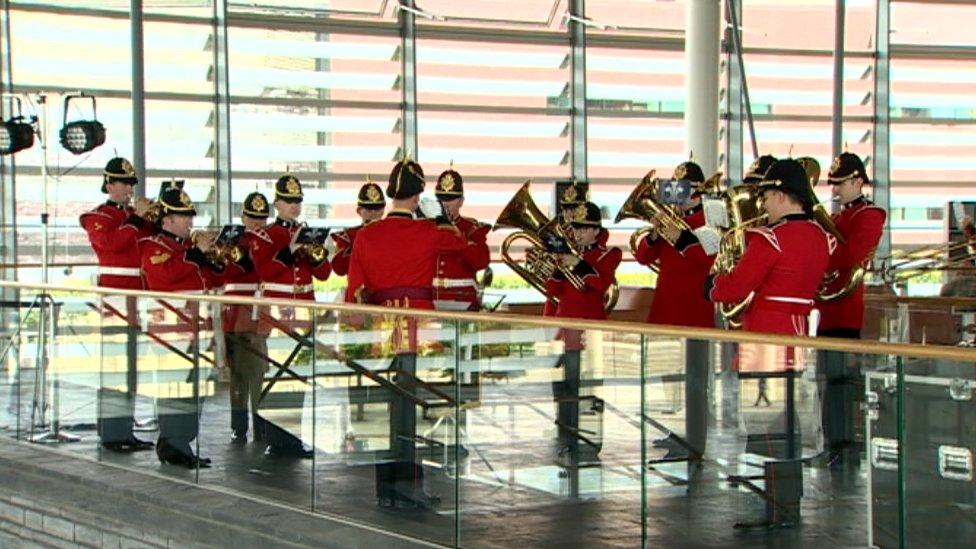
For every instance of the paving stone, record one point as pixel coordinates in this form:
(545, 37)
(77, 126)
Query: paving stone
(59, 527)
(88, 536)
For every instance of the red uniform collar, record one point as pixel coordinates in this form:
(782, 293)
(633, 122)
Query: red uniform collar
(856, 202)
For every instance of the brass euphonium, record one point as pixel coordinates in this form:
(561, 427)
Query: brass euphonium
(742, 204)
(523, 214)
(642, 204)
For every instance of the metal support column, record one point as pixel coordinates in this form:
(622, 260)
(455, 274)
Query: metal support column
(408, 70)
(703, 24)
(138, 95)
(734, 99)
(222, 161)
(577, 89)
(837, 120)
(882, 132)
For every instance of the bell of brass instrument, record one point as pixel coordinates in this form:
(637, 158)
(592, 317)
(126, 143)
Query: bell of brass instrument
(154, 211)
(219, 254)
(642, 204)
(523, 214)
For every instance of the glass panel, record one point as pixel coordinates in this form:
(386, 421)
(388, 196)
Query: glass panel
(292, 65)
(636, 16)
(780, 85)
(556, 429)
(639, 81)
(313, 142)
(492, 74)
(178, 58)
(386, 414)
(506, 147)
(331, 9)
(932, 88)
(92, 52)
(501, 14)
(776, 25)
(931, 24)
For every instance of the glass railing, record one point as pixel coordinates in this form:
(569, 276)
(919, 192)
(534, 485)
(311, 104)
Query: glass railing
(479, 430)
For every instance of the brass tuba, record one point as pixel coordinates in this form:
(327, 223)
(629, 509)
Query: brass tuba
(642, 204)
(523, 214)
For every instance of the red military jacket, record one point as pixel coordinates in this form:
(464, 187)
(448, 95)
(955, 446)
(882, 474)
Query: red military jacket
(284, 274)
(393, 260)
(597, 269)
(240, 278)
(343, 254)
(861, 223)
(682, 269)
(454, 279)
(173, 264)
(114, 232)
(783, 266)
(602, 237)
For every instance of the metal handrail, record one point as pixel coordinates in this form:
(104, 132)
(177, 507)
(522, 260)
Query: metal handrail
(651, 330)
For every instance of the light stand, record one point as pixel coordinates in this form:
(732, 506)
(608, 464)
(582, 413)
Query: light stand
(46, 308)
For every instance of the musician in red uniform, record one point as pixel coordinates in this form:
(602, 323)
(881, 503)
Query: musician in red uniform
(285, 267)
(596, 267)
(393, 260)
(113, 229)
(393, 264)
(682, 266)
(861, 225)
(247, 341)
(570, 195)
(454, 282)
(369, 206)
(784, 262)
(172, 263)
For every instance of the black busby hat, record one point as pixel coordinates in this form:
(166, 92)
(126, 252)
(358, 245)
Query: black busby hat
(689, 171)
(572, 193)
(118, 170)
(256, 205)
(586, 214)
(176, 201)
(370, 196)
(406, 180)
(289, 189)
(758, 168)
(450, 185)
(845, 167)
(788, 176)
(170, 184)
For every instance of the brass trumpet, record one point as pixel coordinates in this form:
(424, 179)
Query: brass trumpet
(154, 209)
(217, 253)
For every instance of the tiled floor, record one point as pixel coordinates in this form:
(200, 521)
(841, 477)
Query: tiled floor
(513, 491)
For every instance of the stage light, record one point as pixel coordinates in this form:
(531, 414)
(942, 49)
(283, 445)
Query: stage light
(16, 135)
(81, 136)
